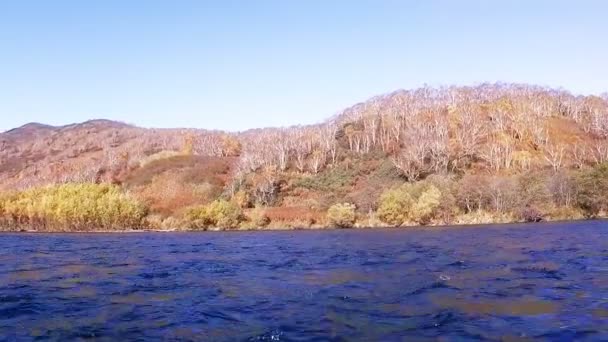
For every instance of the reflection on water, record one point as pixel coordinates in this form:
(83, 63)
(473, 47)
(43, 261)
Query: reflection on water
(511, 283)
(506, 307)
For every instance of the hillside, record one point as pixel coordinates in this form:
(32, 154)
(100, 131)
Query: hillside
(468, 150)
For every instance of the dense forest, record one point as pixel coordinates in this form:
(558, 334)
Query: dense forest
(430, 156)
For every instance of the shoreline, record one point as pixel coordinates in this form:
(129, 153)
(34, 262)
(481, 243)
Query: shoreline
(418, 227)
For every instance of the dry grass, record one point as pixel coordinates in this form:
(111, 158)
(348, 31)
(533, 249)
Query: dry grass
(302, 215)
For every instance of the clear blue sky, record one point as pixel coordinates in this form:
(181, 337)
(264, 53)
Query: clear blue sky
(240, 64)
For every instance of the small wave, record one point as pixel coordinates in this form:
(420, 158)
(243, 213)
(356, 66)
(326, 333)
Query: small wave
(434, 286)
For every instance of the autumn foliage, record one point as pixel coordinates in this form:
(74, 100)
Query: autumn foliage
(218, 214)
(488, 153)
(342, 215)
(72, 207)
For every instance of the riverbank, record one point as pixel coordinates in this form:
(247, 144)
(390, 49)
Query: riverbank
(311, 228)
(89, 207)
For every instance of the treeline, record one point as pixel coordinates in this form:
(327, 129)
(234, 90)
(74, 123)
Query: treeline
(526, 197)
(423, 131)
(497, 128)
(437, 200)
(430, 130)
(480, 199)
(445, 199)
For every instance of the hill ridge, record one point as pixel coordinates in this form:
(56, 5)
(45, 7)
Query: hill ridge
(494, 131)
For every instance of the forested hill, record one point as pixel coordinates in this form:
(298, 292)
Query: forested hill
(490, 140)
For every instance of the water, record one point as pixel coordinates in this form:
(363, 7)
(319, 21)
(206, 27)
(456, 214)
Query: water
(510, 283)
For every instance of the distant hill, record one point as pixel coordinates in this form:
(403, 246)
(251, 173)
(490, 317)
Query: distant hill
(37, 154)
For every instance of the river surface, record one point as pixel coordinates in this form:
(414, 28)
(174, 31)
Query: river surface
(505, 283)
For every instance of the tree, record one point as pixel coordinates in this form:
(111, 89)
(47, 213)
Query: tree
(301, 151)
(580, 154)
(316, 160)
(498, 154)
(533, 190)
(354, 134)
(188, 146)
(328, 137)
(562, 186)
(282, 149)
(231, 146)
(554, 155)
(410, 160)
(503, 193)
(266, 187)
(600, 151)
(468, 134)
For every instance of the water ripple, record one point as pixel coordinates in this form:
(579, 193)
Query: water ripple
(512, 283)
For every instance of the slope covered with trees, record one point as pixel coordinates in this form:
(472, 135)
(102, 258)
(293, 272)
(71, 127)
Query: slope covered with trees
(490, 153)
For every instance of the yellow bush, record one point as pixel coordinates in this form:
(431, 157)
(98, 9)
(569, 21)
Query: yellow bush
(258, 218)
(3, 202)
(218, 214)
(242, 198)
(72, 207)
(428, 201)
(394, 206)
(417, 202)
(342, 215)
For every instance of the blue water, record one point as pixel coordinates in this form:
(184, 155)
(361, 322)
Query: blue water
(542, 281)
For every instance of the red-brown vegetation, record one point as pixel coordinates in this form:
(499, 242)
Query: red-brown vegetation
(485, 143)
